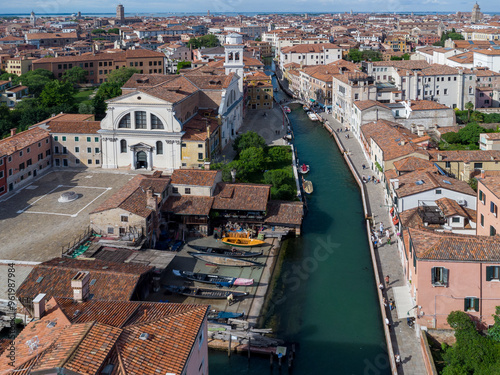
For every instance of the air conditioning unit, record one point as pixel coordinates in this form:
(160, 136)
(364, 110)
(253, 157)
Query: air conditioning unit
(461, 202)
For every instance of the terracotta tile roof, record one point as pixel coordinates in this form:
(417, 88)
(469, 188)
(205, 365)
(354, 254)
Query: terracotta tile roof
(411, 218)
(465, 155)
(365, 104)
(67, 117)
(492, 183)
(404, 64)
(453, 247)
(280, 212)
(245, 197)
(133, 196)
(394, 140)
(411, 164)
(35, 36)
(426, 105)
(4, 344)
(194, 177)
(21, 140)
(489, 51)
(54, 278)
(429, 180)
(450, 207)
(188, 205)
(463, 58)
(76, 127)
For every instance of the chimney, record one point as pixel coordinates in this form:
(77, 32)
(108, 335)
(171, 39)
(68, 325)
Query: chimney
(80, 286)
(39, 306)
(440, 157)
(395, 183)
(482, 174)
(13, 132)
(150, 199)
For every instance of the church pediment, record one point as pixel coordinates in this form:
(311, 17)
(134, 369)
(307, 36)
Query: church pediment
(137, 98)
(141, 147)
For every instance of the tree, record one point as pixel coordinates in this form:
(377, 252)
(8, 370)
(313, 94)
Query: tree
(75, 75)
(247, 140)
(251, 160)
(10, 76)
(276, 177)
(122, 75)
(36, 80)
(472, 353)
(98, 31)
(354, 55)
(182, 65)
(469, 106)
(279, 154)
(115, 30)
(57, 93)
(86, 108)
(208, 41)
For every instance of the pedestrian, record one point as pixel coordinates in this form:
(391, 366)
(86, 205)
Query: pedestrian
(385, 302)
(374, 180)
(387, 280)
(388, 323)
(397, 358)
(392, 304)
(230, 299)
(381, 287)
(364, 166)
(388, 235)
(381, 228)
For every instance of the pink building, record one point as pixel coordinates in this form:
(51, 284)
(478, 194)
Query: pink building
(27, 155)
(488, 201)
(448, 272)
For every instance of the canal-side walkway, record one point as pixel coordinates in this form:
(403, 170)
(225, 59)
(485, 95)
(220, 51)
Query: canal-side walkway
(405, 341)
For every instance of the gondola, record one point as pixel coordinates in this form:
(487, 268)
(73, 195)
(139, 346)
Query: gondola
(204, 293)
(206, 278)
(225, 251)
(221, 260)
(223, 315)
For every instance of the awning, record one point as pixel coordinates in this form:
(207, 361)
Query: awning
(404, 303)
(312, 100)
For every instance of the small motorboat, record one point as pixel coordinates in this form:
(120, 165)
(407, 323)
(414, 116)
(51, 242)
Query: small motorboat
(221, 260)
(304, 169)
(312, 116)
(275, 89)
(204, 293)
(287, 109)
(306, 108)
(307, 186)
(242, 242)
(232, 252)
(206, 278)
(223, 315)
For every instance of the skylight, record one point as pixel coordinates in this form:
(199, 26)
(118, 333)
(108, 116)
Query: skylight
(419, 182)
(447, 182)
(39, 280)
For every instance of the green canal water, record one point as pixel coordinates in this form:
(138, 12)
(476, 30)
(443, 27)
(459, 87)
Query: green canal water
(325, 297)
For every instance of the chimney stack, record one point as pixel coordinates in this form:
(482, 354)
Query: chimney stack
(395, 183)
(150, 199)
(39, 306)
(80, 286)
(13, 132)
(482, 175)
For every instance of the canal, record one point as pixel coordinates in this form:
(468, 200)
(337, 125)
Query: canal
(325, 297)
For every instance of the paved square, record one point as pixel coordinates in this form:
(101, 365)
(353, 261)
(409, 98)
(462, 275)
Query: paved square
(49, 204)
(34, 226)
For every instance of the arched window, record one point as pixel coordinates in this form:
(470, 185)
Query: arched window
(159, 148)
(123, 146)
(125, 121)
(156, 122)
(140, 120)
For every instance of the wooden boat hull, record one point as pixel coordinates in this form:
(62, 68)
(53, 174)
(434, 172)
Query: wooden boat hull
(220, 260)
(204, 293)
(242, 242)
(206, 278)
(307, 186)
(234, 253)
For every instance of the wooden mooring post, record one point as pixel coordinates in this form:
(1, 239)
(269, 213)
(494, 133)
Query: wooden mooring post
(229, 346)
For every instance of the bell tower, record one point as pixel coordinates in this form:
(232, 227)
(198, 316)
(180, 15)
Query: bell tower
(233, 62)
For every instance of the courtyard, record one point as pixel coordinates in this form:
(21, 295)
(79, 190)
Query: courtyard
(35, 226)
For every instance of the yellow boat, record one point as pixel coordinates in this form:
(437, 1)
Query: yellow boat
(242, 242)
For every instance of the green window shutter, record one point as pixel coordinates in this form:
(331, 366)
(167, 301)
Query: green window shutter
(466, 304)
(446, 272)
(433, 273)
(489, 273)
(476, 304)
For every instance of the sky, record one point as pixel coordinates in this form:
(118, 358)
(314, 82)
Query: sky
(328, 6)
